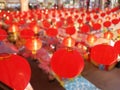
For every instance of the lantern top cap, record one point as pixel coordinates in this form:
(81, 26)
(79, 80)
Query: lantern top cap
(4, 56)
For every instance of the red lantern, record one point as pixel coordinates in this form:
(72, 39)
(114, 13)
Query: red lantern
(107, 24)
(15, 71)
(70, 30)
(69, 42)
(26, 34)
(3, 34)
(88, 18)
(91, 38)
(33, 44)
(67, 64)
(95, 16)
(96, 26)
(115, 21)
(102, 14)
(52, 32)
(108, 35)
(85, 28)
(104, 54)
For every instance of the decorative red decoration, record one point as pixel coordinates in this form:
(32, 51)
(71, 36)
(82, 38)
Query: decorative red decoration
(26, 34)
(3, 34)
(91, 38)
(67, 64)
(108, 35)
(69, 42)
(96, 26)
(52, 32)
(104, 54)
(107, 24)
(15, 71)
(70, 30)
(33, 44)
(85, 28)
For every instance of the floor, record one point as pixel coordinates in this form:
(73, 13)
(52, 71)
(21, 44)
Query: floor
(105, 80)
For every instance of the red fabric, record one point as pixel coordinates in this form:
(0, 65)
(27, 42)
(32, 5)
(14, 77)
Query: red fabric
(103, 54)
(15, 72)
(3, 34)
(67, 64)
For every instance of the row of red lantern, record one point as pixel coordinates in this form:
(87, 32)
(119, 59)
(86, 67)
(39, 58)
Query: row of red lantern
(22, 18)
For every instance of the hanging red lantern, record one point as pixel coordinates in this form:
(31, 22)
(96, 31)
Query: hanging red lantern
(85, 28)
(69, 42)
(107, 24)
(80, 20)
(108, 35)
(3, 34)
(52, 32)
(33, 44)
(26, 33)
(102, 14)
(95, 16)
(67, 64)
(14, 29)
(70, 30)
(91, 38)
(96, 26)
(88, 18)
(115, 21)
(15, 71)
(103, 54)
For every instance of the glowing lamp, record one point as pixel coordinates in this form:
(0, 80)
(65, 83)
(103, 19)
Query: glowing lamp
(33, 44)
(108, 35)
(13, 29)
(69, 42)
(91, 38)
